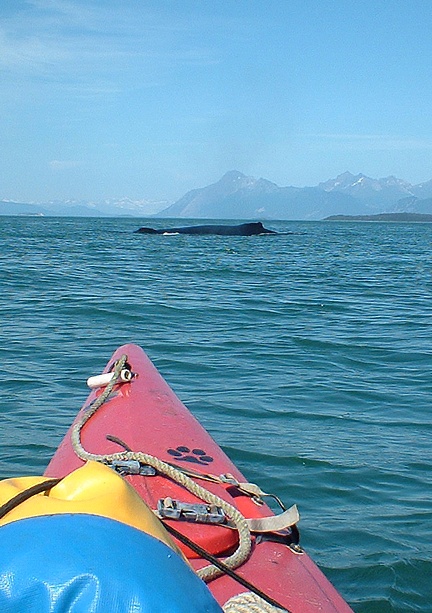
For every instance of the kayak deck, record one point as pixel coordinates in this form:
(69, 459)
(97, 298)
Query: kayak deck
(144, 415)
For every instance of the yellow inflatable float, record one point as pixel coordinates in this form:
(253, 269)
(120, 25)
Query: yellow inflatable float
(93, 489)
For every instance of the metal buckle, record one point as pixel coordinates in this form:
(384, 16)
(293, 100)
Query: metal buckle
(202, 513)
(132, 467)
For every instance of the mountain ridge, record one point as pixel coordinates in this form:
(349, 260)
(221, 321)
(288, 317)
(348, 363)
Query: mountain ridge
(238, 196)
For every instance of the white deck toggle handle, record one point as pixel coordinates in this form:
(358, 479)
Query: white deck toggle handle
(103, 380)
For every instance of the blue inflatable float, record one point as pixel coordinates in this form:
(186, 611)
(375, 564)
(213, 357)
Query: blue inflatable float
(91, 564)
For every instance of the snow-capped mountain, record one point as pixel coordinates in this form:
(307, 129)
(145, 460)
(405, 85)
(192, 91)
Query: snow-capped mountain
(237, 196)
(373, 191)
(217, 197)
(84, 208)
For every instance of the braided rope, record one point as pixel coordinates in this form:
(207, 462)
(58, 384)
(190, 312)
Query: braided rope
(207, 573)
(248, 602)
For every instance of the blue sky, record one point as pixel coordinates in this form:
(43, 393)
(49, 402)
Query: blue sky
(148, 99)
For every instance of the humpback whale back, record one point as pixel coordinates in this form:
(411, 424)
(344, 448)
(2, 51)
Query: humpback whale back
(244, 229)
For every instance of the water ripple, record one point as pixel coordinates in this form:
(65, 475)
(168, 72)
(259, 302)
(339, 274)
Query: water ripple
(307, 358)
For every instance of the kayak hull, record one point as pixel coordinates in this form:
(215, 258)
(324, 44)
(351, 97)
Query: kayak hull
(146, 416)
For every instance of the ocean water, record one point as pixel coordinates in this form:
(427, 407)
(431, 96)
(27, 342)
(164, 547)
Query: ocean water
(307, 356)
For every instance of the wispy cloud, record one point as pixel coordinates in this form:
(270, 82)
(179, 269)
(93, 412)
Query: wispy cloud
(56, 38)
(376, 142)
(78, 13)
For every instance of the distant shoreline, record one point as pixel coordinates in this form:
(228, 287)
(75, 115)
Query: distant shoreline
(395, 217)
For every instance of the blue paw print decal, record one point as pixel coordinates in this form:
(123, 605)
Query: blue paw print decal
(184, 454)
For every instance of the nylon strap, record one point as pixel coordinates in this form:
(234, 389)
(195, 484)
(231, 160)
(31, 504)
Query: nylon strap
(275, 523)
